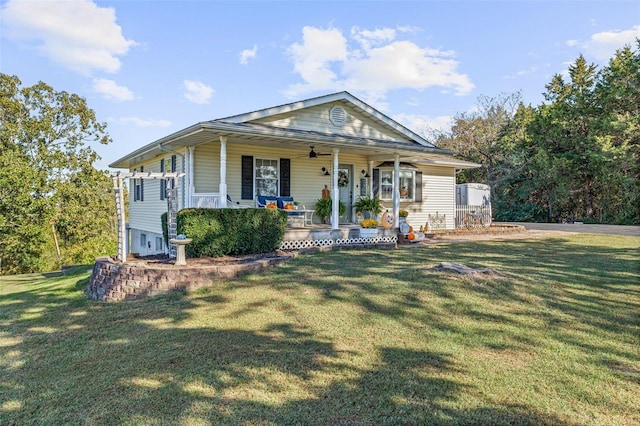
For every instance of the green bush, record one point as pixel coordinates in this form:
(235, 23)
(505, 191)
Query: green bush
(220, 232)
(165, 230)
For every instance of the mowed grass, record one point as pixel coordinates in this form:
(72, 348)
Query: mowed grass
(341, 338)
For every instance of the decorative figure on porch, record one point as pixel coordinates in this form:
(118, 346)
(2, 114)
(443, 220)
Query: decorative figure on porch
(387, 219)
(326, 193)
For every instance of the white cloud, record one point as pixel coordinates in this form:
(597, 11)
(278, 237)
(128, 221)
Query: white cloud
(371, 61)
(110, 90)
(247, 54)
(140, 122)
(77, 34)
(603, 45)
(313, 57)
(425, 125)
(197, 92)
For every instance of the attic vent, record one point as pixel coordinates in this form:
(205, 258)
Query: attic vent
(337, 115)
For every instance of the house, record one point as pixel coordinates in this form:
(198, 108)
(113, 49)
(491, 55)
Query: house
(335, 142)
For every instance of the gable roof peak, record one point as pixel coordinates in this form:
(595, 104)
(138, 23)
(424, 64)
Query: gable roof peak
(325, 99)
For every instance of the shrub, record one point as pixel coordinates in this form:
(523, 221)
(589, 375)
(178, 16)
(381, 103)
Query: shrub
(220, 232)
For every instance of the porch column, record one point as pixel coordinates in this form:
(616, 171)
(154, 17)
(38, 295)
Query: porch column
(335, 194)
(370, 179)
(223, 171)
(396, 190)
(190, 176)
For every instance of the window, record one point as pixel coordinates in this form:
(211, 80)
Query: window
(138, 185)
(143, 240)
(386, 184)
(164, 164)
(266, 177)
(407, 185)
(158, 243)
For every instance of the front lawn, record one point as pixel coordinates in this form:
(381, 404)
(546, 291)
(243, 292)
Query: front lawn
(348, 337)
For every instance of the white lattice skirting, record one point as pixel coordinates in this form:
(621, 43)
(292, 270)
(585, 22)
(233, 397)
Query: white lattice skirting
(302, 244)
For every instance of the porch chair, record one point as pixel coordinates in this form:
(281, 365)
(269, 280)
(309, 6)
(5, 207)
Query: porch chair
(236, 205)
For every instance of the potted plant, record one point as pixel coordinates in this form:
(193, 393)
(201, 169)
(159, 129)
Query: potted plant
(368, 228)
(324, 207)
(402, 215)
(370, 207)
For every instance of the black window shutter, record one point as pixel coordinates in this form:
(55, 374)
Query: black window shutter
(418, 191)
(173, 170)
(136, 188)
(285, 177)
(163, 181)
(376, 182)
(141, 185)
(247, 177)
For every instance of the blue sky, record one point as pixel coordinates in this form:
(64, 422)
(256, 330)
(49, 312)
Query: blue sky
(150, 68)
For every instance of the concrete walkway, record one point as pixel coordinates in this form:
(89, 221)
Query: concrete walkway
(633, 231)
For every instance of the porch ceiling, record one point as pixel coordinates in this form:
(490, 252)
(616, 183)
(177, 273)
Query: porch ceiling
(263, 135)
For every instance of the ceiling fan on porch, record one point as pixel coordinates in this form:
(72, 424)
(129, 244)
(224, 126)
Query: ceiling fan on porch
(313, 154)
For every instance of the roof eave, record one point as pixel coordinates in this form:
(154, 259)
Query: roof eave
(123, 162)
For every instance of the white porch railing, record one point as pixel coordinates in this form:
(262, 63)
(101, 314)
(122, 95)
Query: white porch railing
(473, 216)
(206, 200)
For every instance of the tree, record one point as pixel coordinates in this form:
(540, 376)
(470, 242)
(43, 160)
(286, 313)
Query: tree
(47, 166)
(581, 148)
(482, 136)
(619, 89)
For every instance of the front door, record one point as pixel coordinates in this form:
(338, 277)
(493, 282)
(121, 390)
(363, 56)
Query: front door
(345, 188)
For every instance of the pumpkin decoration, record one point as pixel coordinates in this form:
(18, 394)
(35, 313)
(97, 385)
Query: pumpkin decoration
(387, 220)
(288, 206)
(272, 206)
(410, 229)
(411, 237)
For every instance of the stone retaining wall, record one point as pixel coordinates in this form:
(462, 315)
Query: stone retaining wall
(114, 281)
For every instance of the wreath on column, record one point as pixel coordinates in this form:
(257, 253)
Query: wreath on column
(343, 178)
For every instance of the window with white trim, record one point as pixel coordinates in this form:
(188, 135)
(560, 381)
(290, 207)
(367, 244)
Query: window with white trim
(407, 184)
(266, 177)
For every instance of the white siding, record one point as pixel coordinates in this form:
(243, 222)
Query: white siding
(145, 215)
(207, 167)
(317, 119)
(438, 196)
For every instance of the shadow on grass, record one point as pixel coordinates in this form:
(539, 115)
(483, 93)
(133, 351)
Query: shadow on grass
(68, 360)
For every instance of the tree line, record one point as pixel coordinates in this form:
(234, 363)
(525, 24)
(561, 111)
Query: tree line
(55, 207)
(575, 157)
